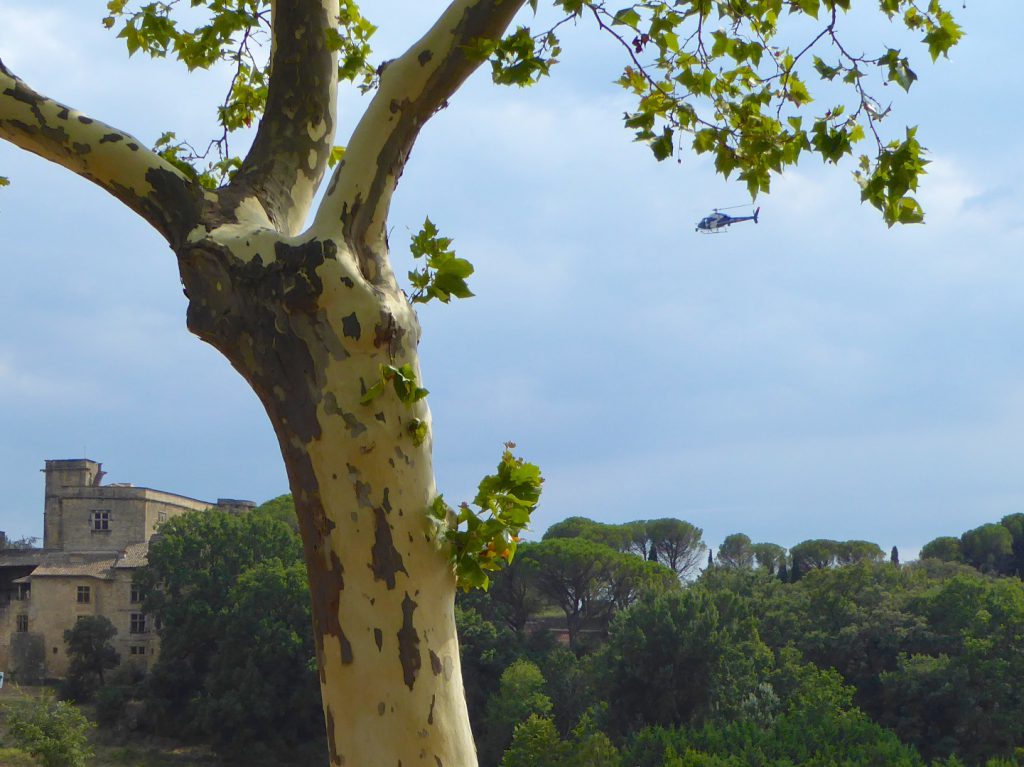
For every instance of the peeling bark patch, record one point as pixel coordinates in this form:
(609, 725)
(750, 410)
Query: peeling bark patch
(381, 708)
(387, 334)
(363, 495)
(346, 648)
(326, 573)
(336, 758)
(353, 424)
(409, 644)
(425, 57)
(350, 326)
(330, 340)
(173, 221)
(300, 283)
(111, 138)
(435, 663)
(133, 146)
(378, 637)
(85, 120)
(386, 560)
(380, 417)
(430, 716)
(448, 668)
(437, 761)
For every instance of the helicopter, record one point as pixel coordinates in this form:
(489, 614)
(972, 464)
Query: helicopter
(718, 221)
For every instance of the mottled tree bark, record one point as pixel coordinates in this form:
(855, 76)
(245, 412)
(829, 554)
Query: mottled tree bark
(308, 317)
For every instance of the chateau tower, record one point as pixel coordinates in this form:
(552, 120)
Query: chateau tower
(63, 476)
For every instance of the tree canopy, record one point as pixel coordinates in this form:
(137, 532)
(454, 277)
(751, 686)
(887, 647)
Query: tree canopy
(231, 595)
(299, 292)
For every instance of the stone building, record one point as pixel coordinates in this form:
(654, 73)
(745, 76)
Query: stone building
(94, 538)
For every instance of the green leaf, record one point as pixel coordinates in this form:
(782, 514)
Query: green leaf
(899, 70)
(810, 7)
(943, 35)
(824, 70)
(627, 17)
(796, 91)
(663, 145)
(705, 140)
(373, 392)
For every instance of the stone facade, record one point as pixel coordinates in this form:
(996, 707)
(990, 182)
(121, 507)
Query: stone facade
(94, 538)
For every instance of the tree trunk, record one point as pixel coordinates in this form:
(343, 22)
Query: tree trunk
(309, 319)
(310, 337)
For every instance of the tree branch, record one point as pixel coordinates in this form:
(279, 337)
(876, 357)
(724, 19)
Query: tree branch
(110, 158)
(286, 163)
(412, 88)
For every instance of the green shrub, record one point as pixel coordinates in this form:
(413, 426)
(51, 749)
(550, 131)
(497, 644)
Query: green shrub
(15, 757)
(53, 731)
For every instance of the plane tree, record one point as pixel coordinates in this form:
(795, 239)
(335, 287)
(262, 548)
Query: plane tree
(304, 303)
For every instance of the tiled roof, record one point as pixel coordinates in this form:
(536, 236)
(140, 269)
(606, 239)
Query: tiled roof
(76, 564)
(133, 556)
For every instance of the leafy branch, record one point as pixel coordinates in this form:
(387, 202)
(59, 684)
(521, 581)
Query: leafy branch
(482, 540)
(712, 70)
(443, 275)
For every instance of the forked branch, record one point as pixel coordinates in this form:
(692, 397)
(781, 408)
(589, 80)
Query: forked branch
(412, 88)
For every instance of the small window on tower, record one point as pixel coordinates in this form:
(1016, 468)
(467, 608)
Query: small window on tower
(22, 624)
(99, 521)
(24, 592)
(136, 596)
(84, 595)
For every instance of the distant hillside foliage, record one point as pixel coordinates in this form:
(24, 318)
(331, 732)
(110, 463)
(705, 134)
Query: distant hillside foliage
(620, 646)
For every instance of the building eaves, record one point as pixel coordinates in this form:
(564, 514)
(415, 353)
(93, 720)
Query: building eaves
(76, 564)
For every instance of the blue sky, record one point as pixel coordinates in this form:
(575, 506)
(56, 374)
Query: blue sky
(815, 375)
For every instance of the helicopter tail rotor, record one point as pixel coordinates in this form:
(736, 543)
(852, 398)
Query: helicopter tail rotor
(756, 211)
